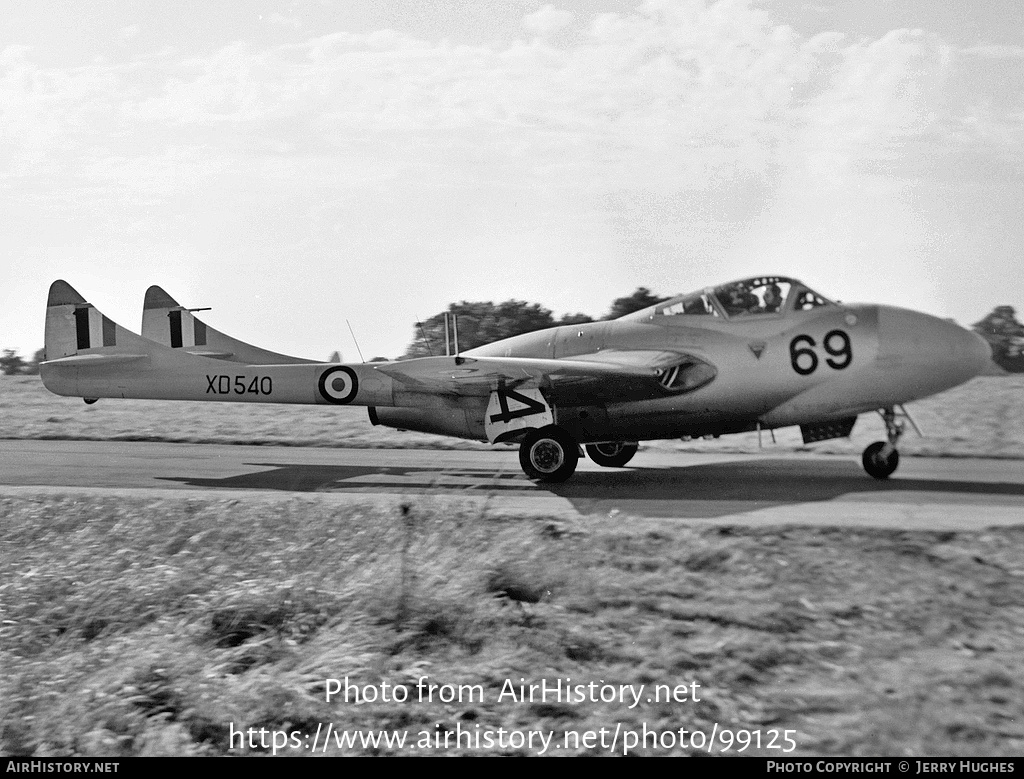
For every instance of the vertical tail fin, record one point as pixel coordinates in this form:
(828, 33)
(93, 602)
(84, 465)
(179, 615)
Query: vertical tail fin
(79, 337)
(169, 323)
(76, 327)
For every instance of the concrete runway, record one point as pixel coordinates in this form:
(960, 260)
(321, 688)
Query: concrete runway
(763, 489)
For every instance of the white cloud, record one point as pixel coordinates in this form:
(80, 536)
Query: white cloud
(547, 20)
(128, 33)
(882, 96)
(658, 85)
(652, 135)
(678, 96)
(996, 52)
(281, 20)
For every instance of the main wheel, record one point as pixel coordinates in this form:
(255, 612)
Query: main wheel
(878, 466)
(612, 454)
(548, 454)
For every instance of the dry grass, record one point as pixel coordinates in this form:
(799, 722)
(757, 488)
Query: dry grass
(149, 626)
(984, 417)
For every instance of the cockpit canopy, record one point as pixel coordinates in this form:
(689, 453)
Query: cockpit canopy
(757, 296)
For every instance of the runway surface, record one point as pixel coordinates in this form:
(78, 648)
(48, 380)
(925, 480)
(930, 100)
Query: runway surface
(767, 488)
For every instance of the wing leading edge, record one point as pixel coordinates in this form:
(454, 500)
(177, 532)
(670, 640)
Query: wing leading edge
(618, 374)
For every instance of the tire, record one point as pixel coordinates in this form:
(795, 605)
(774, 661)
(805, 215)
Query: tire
(612, 454)
(548, 455)
(875, 465)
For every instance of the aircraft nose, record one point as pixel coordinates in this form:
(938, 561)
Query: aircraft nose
(939, 350)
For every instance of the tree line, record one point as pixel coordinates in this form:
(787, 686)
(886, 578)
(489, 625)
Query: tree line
(484, 322)
(13, 364)
(1006, 337)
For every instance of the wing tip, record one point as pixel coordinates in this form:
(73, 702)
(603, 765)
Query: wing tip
(63, 294)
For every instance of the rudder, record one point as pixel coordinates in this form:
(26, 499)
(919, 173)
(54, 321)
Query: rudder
(167, 322)
(73, 325)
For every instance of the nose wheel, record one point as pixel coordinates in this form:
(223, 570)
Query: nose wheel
(881, 459)
(548, 454)
(879, 463)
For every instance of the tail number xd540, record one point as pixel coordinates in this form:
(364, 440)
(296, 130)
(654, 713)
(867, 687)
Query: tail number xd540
(804, 357)
(239, 385)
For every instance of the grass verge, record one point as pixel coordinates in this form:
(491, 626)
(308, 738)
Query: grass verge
(154, 626)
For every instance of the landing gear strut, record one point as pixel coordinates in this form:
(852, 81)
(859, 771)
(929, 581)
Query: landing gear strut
(548, 454)
(881, 458)
(612, 454)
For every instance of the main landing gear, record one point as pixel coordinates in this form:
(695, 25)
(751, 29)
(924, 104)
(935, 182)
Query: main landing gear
(612, 454)
(881, 458)
(550, 454)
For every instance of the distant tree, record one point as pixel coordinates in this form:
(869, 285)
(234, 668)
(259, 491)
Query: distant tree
(481, 323)
(32, 367)
(11, 363)
(484, 322)
(641, 298)
(575, 319)
(1006, 337)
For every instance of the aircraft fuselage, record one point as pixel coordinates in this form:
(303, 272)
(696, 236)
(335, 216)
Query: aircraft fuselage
(758, 353)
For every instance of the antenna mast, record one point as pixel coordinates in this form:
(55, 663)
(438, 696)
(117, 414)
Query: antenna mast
(352, 333)
(423, 335)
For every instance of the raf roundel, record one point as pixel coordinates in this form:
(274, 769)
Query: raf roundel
(339, 385)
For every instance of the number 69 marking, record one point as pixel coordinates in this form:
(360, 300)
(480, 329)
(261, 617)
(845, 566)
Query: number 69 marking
(843, 353)
(836, 344)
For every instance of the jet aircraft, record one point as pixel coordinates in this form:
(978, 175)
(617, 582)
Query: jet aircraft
(755, 354)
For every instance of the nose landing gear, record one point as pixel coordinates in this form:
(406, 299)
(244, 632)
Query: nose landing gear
(881, 459)
(878, 462)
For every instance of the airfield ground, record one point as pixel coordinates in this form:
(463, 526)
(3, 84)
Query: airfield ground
(153, 624)
(984, 417)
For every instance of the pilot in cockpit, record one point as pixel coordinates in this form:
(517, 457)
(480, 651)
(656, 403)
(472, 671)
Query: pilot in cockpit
(740, 300)
(772, 298)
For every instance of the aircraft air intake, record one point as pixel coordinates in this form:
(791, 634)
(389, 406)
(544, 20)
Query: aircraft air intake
(687, 375)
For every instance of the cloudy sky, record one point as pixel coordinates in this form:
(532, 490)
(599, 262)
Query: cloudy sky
(297, 164)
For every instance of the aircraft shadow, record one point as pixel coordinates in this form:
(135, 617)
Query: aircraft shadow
(356, 478)
(713, 490)
(699, 491)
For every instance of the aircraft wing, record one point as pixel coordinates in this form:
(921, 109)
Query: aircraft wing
(634, 358)
(606, 374)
